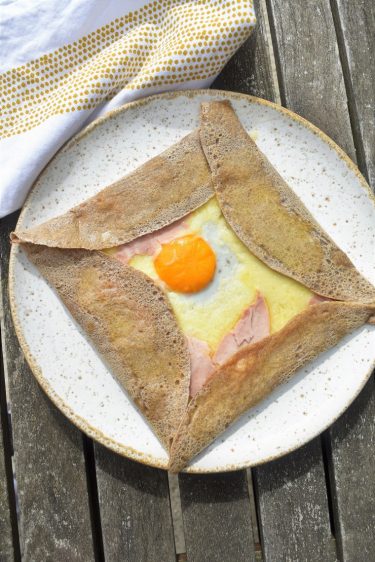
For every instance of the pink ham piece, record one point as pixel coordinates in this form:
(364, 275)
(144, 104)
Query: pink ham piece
(201, 364)
(150, 244)
(253, 326)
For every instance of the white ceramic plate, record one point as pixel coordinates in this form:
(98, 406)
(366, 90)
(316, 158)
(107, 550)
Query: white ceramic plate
(67, 366)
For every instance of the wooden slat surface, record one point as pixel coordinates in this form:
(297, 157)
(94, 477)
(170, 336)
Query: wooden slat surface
(135, 510)
(252, 69)
(6, 540)
(356, 31)
(217, 519)
(293, 509)
(352, 474)
(54, 521)
(310, 73)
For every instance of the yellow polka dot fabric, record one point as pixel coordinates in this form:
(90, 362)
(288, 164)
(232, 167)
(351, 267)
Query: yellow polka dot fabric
(62, 67)
(165, 42)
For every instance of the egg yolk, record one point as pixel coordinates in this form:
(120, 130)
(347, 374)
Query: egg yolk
(186, 264)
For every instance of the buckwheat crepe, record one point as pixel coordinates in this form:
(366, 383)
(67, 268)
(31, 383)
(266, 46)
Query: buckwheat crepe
(131, 324)
(128, 317)
(161, 191)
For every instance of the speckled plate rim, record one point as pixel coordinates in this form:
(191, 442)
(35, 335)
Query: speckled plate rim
(80, 422)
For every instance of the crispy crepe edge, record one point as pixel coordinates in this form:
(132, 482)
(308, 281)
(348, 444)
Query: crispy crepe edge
(256, 370)
(131, 324)
(169, 186)
(275, 221)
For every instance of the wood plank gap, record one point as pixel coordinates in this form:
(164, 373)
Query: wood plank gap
(269, 44)
(255, 489)
(327, 462)
(8, 452)
(352, 106)
(176, 511)
(253, 514)
(252, 69)
(326, 445)
(92, 489)
(276, 55)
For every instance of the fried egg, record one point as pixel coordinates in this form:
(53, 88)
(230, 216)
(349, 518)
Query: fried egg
(211, 277)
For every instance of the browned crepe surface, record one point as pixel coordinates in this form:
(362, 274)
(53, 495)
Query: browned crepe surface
(268, 216)
(257, 369)
(156, 194)
(131, 324)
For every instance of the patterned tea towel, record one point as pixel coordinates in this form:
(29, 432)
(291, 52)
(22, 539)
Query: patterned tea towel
(65, 62)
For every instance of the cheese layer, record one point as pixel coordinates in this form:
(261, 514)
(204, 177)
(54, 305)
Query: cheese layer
(211, 313)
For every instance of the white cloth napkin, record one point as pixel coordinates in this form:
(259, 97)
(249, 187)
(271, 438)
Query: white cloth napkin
(65, 62)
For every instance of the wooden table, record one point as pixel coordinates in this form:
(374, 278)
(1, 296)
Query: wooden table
(77, 501)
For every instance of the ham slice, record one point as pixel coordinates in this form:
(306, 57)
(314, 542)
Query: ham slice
(253, 326)
(150, 244)
(201, 365)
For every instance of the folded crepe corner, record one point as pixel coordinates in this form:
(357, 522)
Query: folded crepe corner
(169, 186)
(129, 318)
(257, 369)
(268, 216)
(130, 322)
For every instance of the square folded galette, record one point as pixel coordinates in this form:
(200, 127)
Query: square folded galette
(202, 280)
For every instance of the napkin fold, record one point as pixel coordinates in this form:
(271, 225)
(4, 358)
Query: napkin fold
(64, 63)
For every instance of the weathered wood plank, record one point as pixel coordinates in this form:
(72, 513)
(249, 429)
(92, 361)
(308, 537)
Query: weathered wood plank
(355, 23)
(293, 510)
(6, 540)
(135, 510)
(216, 516)
(352, 461)
(252, 70)
(54, 521)
(310, 73)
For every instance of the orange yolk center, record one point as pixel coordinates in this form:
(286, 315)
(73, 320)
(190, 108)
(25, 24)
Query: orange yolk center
(186, 264)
